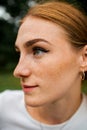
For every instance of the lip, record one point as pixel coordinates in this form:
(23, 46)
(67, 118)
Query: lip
(29, 88)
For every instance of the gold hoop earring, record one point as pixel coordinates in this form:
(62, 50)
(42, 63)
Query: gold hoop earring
(83, 75)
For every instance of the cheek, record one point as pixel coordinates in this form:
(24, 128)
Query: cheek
(55, 70)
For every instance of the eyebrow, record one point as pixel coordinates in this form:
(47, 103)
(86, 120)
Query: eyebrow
(32, 42)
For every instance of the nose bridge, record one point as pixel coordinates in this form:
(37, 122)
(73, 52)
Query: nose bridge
(21, 63)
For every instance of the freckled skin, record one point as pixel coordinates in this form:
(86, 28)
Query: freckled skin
(56, 73)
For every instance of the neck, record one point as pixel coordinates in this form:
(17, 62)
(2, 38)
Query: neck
(56, 113)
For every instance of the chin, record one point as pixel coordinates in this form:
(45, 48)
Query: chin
(33, 102)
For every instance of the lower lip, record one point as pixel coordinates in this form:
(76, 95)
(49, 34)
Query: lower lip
(29, 89)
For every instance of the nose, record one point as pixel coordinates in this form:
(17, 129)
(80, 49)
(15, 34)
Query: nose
(22, 69)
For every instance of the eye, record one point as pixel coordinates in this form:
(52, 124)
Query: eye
(39, 51)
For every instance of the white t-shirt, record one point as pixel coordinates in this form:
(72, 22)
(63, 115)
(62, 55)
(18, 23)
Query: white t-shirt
(13, 115)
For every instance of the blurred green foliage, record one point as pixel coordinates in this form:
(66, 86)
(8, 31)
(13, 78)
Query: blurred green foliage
(84, 86)
(7, 81)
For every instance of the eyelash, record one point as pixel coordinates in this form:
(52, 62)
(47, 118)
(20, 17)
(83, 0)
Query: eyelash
(41, 50)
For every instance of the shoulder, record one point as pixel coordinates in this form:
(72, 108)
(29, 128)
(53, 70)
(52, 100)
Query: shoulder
(10, 98)
(9, 95)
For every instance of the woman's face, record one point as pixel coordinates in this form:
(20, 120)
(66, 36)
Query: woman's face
(48, 66)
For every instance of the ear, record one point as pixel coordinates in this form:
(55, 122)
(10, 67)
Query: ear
(84, 59)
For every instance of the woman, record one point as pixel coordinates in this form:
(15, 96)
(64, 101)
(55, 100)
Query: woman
(52, 42)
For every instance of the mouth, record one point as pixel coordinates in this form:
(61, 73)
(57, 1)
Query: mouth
(27, 88)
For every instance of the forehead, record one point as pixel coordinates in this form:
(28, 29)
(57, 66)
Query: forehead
(34, 27)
